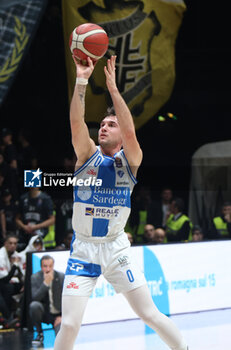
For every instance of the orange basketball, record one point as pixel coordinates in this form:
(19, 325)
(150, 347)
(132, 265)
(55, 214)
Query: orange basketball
(88, 40)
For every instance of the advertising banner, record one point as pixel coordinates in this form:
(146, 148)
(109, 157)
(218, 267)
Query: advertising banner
(182, 278)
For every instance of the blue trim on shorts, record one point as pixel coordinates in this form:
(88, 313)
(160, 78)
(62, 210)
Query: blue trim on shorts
(82, 268)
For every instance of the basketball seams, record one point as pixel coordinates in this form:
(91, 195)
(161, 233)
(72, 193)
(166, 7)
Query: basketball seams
(90, 33)
(91, 42)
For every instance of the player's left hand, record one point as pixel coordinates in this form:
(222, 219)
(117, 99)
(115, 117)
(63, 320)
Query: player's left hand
(110, 73)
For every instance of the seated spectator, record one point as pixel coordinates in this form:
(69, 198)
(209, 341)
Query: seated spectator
(8, 211)
(130, 237)
(152, 235)
(10, 279)
(221, 225)
(35, 245)
(197, 234)
(66, 244)
(35, 215)
(46, 291)
(159, 210)
(160, 235)
(149, 233)
(178, 225)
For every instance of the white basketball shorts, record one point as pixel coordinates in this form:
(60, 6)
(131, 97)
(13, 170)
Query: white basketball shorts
(113, 259)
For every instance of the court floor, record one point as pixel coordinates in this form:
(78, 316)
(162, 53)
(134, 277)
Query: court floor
(203, 331)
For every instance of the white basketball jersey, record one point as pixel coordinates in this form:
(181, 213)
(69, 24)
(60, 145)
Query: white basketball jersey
(101, 207)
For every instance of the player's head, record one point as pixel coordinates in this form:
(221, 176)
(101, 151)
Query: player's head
(109, 132)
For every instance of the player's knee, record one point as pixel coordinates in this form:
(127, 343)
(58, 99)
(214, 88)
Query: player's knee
(150, 317)
(70, 329)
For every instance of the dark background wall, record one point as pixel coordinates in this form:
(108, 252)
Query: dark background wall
(200, 99)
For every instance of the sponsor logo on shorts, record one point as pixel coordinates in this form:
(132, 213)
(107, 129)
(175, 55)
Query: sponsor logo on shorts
(123, 260)
(72, 285)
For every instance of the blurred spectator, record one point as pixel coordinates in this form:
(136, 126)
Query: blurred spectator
(149, 233)
(197, 234)
(35, 215)
(49, 239)
(5, 171)
(27, 157)
(160, 235)
(66, 244)
(130, 237)
(35, 245)
(64, 210)
(8, 211)
(46, 291)
(152, 235)
(159, 210)
(221, 225)
(11, 158)
(10, 278)
(178, 225)
(139, 212)
(10, 153)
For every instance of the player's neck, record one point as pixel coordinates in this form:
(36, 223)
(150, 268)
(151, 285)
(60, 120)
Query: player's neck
(110, 152)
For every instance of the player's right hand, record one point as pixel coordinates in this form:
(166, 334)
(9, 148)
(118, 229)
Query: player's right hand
(84, 71)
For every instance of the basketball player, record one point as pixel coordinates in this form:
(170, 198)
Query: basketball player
(100, 214)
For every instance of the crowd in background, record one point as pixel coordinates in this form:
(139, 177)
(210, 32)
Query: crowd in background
(33, 220)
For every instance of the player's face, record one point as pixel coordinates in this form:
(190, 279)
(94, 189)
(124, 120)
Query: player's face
(109, 132)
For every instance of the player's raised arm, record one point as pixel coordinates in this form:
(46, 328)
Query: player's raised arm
(131, 146)
(83, 145)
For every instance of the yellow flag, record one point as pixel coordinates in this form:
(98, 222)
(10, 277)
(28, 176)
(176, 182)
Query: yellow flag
(142, 35)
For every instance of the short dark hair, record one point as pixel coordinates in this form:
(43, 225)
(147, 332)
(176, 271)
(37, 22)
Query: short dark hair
(196, 228)
(10, 235)
(46, 257)
(110, 111)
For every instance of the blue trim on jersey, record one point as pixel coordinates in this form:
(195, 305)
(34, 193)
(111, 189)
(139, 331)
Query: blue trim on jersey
(82, 268)
(72, 241)
(100, 227)
(87, 162)
(129, 169)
